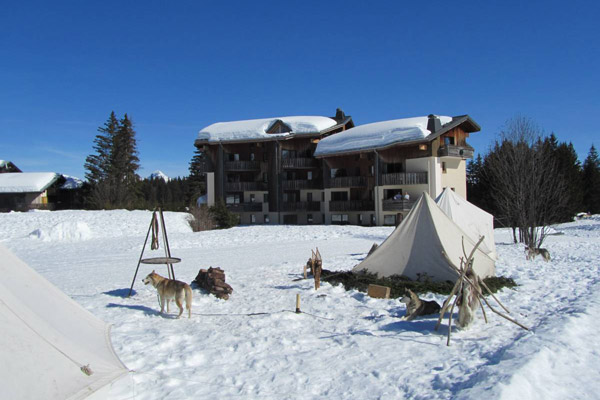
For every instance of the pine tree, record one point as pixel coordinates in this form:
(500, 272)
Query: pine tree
(222, 216)
(124, 164)
(98, 165)
(197, 178)
(570, 170)
(591, 181)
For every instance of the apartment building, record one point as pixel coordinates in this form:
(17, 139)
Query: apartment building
(324, 170)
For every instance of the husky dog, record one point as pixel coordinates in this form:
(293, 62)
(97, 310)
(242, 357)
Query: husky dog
(416, 307)
(169, 289)
(532, 252)
(468, 301)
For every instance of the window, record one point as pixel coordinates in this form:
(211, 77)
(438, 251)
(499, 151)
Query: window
(372, 219)
(339, 219)
(449, 140)
(265, 198)
(236, 157)
(389, 220)
(267, 220)
(309, 197)
(443, 167)
(393, 168)
(309, 175)
(333, 172)
(288, 154)
(252, 219)
(252, 198)
(265, 177)
(360, 219)
(339, 196)
(232, 199)
(309, 218)
(251, 156)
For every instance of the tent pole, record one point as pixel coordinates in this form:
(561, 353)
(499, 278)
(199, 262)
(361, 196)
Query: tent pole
(141, 255)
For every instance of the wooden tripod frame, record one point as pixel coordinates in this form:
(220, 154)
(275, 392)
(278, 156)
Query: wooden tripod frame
(157, 216)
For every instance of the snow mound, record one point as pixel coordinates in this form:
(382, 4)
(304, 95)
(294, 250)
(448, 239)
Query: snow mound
(70, 231)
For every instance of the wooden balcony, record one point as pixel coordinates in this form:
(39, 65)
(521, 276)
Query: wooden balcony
(301, 184)
(351, 205)
(351, 181)
(245, 207)
(242, 166)
(245, 186)
(398, 205)
(300, 206)
(463, 152)
(404, 178)
(299, 163)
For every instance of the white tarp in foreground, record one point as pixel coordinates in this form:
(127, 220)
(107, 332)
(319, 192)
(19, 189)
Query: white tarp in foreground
(416, 245)
(46, 338)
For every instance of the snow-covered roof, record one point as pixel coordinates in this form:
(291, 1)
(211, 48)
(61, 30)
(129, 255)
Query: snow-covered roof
(256, 129)
(377, 135)
(26, 182)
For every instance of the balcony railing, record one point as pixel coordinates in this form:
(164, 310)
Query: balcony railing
(299, 163)
(398, 205)
(242, 165)
(301, 184)
(350, 181)
(351, 205)
(404, 178)
(290, 206)
(245, 207)
(455, 151)
(245, 186)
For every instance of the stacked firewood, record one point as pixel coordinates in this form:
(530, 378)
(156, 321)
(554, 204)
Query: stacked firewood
(213, 281)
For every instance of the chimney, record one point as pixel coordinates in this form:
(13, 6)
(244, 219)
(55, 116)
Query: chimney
(339, 115)
(433, 124)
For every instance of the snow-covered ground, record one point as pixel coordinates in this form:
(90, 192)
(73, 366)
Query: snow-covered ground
(346, 345)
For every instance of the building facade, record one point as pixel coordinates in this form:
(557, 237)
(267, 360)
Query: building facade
(320, 170)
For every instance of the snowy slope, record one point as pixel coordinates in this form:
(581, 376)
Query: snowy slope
(346, 345)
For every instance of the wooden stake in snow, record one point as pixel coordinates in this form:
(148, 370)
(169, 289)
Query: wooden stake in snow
(298, 304)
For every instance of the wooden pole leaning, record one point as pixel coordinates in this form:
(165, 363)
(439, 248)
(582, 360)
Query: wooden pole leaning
(142, 255)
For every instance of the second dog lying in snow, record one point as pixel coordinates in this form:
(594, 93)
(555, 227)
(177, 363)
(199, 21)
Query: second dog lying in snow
(416, 307)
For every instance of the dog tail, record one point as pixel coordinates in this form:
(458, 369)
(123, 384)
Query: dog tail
(188, 300)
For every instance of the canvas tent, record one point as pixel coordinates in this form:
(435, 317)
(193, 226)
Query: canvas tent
(416, 245)
(46, 338)
(472, 219)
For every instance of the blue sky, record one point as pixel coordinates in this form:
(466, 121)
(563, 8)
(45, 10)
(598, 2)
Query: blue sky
(178, 66)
